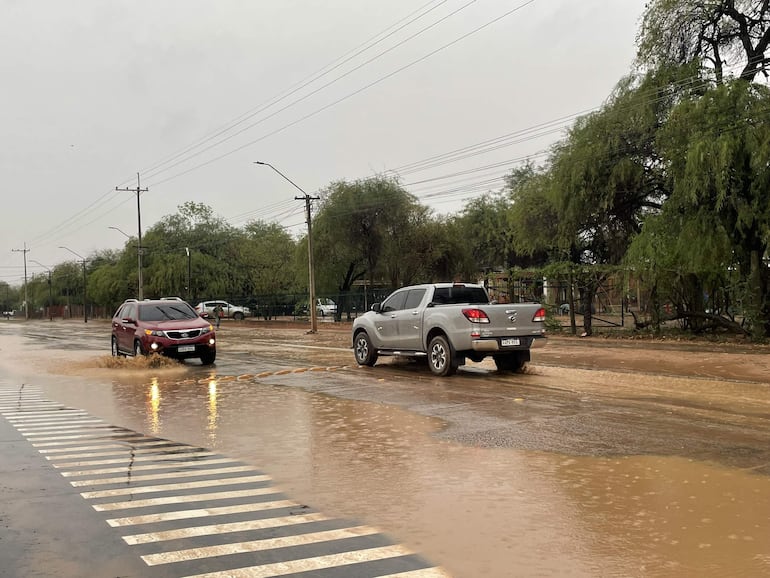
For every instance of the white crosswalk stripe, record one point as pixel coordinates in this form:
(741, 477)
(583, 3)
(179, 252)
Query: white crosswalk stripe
(185, 485)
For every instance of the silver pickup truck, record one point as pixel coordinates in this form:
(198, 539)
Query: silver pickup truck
(447, 323)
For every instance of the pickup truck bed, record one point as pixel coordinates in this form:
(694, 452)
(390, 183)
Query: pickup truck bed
(447, 323)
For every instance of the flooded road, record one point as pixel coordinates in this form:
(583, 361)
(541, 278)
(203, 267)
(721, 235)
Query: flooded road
(620, 466)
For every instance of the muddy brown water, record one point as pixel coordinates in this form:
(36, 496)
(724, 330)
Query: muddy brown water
(474, 508)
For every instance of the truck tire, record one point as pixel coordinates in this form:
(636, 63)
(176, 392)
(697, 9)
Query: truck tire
(513, 362)
(441, 359)
(363, 349)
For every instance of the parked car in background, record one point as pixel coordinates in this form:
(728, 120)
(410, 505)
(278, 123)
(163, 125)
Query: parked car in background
(206, 309)
(167, 326)
(324, 307)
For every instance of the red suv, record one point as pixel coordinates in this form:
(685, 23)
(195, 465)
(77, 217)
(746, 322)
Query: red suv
(167, 326)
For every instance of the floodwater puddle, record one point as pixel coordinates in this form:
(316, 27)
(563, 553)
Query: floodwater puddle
(477, 511)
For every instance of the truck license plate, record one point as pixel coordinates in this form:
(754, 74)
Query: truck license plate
(186, 348)
(510, 342)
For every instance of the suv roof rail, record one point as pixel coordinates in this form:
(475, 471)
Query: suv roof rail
(171, 299)
(132, 300)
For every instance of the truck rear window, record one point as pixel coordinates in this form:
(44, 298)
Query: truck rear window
(460, 294)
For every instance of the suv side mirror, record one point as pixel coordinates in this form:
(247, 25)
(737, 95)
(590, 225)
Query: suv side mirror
(376, 307)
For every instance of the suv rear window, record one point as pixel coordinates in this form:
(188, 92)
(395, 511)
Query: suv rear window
(460, 294)
(166, 312)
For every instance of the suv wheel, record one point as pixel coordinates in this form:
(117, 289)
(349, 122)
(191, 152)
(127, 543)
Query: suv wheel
(138, 348)
(115, 350)
(208, 357)
(238, 316)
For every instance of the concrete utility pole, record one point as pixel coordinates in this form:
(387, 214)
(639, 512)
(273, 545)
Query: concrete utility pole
(311, 276)
(138, 190)
(26, 302)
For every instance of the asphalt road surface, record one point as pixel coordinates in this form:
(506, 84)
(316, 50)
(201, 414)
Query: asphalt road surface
(605, 459)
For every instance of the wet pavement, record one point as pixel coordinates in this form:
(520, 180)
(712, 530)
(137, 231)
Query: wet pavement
(600, 461)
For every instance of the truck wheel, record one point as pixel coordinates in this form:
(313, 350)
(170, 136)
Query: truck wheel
(513, 362)
(441, 358)
(365, 353)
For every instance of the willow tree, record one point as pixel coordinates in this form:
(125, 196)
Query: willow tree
(720, 34)
(718, 147)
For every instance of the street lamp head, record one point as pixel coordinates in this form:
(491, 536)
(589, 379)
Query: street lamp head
(73, 252)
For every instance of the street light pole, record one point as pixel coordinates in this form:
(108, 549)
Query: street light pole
(189, 273)
(311, 276)
(85, 299)
(50, 294)
(138, 249)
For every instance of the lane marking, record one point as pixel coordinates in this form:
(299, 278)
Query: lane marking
(310, 564)
(151, 458)
(173, 487)
(258, 545)
(158, 467)
(184, 499)
(168, 476)
(202, 513)
(217, 529)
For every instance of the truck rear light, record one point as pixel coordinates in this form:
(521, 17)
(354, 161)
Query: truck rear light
(475, 316)
(539, 315)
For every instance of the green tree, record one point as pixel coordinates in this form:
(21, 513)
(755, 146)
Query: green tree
(718, 146)
(360, 231)
(718, 33)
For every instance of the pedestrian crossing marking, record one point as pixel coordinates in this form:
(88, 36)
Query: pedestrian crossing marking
(174, 487)
(170, 465)
(231, 527)
(89, 453)
(201, 513)
(310, 564)
(183, 499)
(257, 545)
(168, 476)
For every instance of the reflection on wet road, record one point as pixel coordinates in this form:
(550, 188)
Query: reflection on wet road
(557, 472)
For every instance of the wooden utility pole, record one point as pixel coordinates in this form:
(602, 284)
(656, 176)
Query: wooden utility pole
(138, 190)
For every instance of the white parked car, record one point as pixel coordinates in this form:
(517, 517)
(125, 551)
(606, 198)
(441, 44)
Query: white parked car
(324, 307)
(206, 309)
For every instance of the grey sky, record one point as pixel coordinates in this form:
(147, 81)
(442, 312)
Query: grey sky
(95, 91)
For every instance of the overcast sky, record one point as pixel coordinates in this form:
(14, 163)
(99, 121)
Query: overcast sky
(189, 93)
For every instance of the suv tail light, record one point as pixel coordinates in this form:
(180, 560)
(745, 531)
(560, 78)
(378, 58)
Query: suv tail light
(539, 315)
(475, 316)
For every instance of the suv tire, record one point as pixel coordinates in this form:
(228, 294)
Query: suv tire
(208, 357)
(138, 350)
(115, 350)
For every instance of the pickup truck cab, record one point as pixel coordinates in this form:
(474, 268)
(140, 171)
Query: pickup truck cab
(447, 323)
